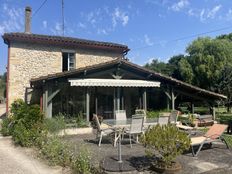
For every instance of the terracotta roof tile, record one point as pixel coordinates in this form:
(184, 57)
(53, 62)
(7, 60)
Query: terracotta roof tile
(60, 40)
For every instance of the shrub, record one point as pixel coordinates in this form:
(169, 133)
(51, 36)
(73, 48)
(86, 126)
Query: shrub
(6, 127)
(27, 123)
(81, 121)
(81, 163)
(22, 136)
(54, 125)
(168, 141)
(155, 114)
(56, 152)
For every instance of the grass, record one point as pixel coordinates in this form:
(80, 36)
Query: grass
(228, 139)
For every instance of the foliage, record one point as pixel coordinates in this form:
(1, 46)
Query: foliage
(54, 125)
(93, 122)
(208, 57)
(26, 123)
(168, 141)
(56, 152)
(207, 64)
(3, 85)
(6, 127)
(81, 121)
(81, 163)
(189, 120)
(224, 118)
(224, 84)
(158, 66)
(155, 113)
(77, 121)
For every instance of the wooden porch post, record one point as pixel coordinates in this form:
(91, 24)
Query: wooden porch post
(214, 113)
(96, 100)
(192, 107)
(87, 103)
(45, 96)
(145, 99)
(173, 99)
(118, 98)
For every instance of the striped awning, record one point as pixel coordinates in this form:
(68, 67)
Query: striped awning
(113, 83)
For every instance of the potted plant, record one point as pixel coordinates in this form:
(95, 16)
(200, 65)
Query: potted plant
(165, 142)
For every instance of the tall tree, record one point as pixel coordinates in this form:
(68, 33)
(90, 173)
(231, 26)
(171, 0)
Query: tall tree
(207, 58)
(158, 66)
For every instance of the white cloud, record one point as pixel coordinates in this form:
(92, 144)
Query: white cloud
(179, 5)
(147, 40)
(102, 31)
(45, 24)
(229, 14)
(57, 29)
(205, 13)
(212, 12)
(13, 19)
(81, 25)
(119, 16)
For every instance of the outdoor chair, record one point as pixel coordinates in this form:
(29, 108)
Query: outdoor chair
(120, 115)
(102, 131)
(173, 120)
(214, 134)
(173, 117)
(162, 120)
(136, 127)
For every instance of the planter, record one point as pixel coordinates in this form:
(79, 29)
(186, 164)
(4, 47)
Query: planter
(76, 131)
(159, 167)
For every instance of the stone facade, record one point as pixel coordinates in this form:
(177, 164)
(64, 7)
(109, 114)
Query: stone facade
(29, 61)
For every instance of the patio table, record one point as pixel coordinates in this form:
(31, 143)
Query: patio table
(119, 125)
(126, 123)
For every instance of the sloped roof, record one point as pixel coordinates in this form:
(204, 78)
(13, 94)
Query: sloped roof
(64, 41)
(148, 74)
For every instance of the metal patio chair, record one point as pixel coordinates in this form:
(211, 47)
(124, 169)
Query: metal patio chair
(136, 127)
(102, 131)
(120, 115)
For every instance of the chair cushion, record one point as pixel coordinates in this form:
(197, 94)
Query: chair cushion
(197, 140)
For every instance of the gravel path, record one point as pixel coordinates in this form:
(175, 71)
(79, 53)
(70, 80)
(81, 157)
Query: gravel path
(20, 160)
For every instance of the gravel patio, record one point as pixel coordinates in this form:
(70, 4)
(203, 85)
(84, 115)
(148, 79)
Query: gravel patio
(218, 159)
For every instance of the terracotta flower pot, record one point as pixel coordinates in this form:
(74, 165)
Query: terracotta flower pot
(161, 168)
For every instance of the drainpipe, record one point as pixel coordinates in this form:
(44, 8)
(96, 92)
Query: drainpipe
(7, 79)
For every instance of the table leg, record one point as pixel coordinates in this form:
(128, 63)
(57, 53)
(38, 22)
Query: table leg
(119, 149)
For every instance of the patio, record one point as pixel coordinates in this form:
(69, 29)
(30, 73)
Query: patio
(215, 160)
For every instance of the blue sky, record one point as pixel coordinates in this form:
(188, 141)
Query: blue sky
(150, 28)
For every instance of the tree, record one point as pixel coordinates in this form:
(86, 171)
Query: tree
(3, 85)
(207, 58)
(158, 66)
(185, 70)
(173, 63)
(224, 84)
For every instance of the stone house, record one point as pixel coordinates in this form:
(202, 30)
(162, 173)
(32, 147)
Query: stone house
(73, 76)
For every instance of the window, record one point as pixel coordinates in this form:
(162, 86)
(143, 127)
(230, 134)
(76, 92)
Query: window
(68, 61)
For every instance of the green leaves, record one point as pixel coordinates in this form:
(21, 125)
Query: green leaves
(167, 140)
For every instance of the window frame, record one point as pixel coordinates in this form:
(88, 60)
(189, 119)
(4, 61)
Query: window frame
(68, 52)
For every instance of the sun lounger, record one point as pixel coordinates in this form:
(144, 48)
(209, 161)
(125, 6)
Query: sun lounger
(214, 134)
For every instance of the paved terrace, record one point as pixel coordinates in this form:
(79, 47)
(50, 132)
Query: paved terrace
(209, 161)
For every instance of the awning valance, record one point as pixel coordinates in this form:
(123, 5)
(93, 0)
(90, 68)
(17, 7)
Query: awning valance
(114, 83)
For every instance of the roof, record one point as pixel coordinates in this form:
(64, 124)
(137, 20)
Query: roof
(63, 41)
(149, 74)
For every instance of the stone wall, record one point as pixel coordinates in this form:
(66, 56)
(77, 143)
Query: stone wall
(33, 60)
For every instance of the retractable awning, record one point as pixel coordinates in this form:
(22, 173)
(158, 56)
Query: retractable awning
(113, 83)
